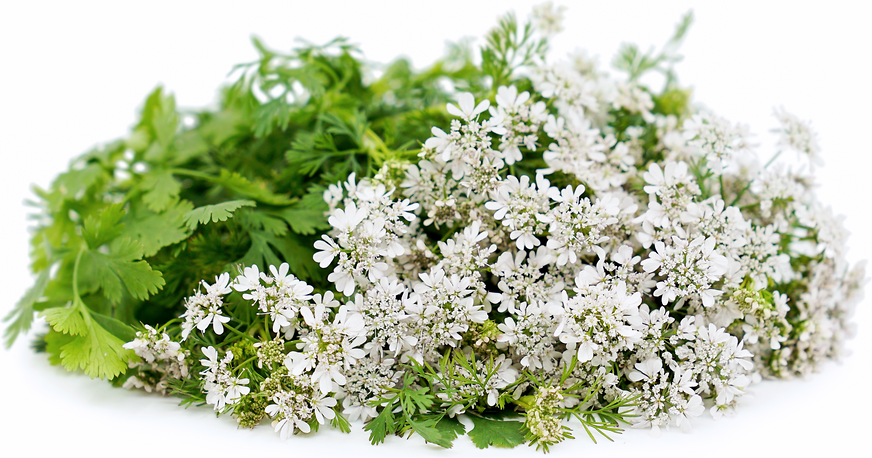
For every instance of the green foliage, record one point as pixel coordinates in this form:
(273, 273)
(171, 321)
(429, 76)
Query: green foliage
(101, 229)
(498, 433)
(88, 345)
(161, 189)
(174, 202)
(413, 407)
(122, 267)
(214, 213)
(155, 230)
(636, 63)
(509, 47)
(412, 402)
(21, 317)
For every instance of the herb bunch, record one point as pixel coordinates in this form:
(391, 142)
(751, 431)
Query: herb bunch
(514, 241)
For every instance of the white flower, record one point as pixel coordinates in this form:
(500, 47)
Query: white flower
(220, 385)
(468, 109)
(548, 19)
(328, 347)
(648, 369)
(441, 142)
(205, 309)
(577, 226)
(521, 206)
(798, 136)
(347, 219)
(688, 269)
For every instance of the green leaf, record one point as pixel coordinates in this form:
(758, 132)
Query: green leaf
(187, 146)
(53, 342)
(122, 266)
(69, 319)
(92, 348)
(382, 425)
(272, 114)
(259, 220)
(21, 316)
(104, 228)
(303, 220)
(214, 213)
(155, 231)
(486, 432)
(117, 328)
(98, 353)
(292, 250)
(161, 190)
(340, 422)
(427, 430)
(450, 428)
(69, 184)
(421, 397)
(253, 190)
(160, 120)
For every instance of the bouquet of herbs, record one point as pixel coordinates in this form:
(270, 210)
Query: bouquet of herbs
(521, 242)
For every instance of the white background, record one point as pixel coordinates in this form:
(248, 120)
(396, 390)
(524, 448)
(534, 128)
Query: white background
(74, 74)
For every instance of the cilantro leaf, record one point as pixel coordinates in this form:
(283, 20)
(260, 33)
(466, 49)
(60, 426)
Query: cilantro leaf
(92, 348)
(214, 213)
(157, 230)
(486, 432)
(54, 341)
(68, 320)
(160, 121)
(450, 428)
(259, 220)
(187, 145)
(117, 328)
(297, 253)
(102, 229)
(122, 266)
(69, 184)
(382, 425)
(340, 422)
(21, 316)
(303, 220)
(427, 429)
(161, 190)
(99, 353)
(253, 190)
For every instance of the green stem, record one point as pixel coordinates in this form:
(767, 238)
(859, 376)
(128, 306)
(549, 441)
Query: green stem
(193, 173)
(76, 272)
(237, 331)
(266, 327)
(167, 324)
(246, 362)
(772, 160)
(742, 192)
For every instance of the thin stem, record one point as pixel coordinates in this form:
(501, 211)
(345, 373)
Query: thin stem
(246, 361)
(266, 327)
(237, 331)
(742, 192)
(165, 325)
(773, 159)
(76, 272)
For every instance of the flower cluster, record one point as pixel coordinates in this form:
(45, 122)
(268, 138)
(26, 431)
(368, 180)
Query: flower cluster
(162, 361)
(205, 309)
(220, 385)
(558, 251)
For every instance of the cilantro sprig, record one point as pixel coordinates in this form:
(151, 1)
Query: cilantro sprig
(189, 195)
